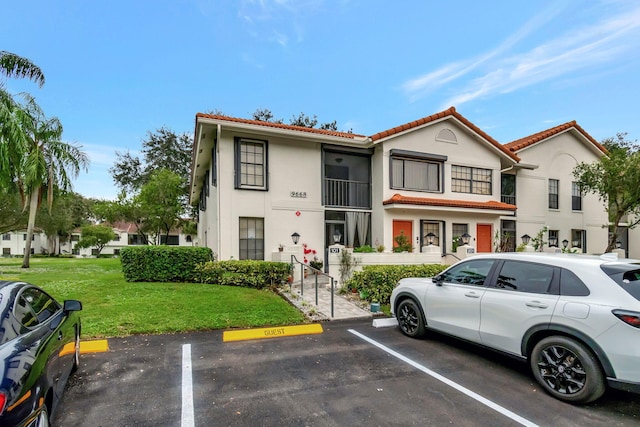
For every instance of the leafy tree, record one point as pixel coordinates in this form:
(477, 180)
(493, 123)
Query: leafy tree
(123, 209)
(189, 228)
(95, 236)
(159, 201)
(265, 115)
(44, 162)
(12, 216)
(304, 121)
(162, 149)
(69, 211)
(614, 179)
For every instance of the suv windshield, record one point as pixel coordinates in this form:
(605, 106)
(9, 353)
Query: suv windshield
(625, 275)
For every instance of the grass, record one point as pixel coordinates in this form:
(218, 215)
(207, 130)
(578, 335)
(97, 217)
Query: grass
(114, 307)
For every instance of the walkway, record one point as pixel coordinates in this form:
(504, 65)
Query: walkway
(342, 307)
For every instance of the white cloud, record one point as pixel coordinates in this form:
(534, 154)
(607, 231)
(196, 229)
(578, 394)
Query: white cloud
(584, 48)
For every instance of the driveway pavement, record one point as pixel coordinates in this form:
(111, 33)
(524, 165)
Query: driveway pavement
(349, 374)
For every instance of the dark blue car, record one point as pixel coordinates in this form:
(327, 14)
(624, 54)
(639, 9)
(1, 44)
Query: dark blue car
(39, 349)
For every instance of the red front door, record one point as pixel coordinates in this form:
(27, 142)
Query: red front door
(402, 227)
(483, 240)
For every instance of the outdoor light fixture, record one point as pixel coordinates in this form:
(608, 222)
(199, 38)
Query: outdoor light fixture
(565, 243)
(337, 236)
(430, 238)
(296, 238)
(465, 238)
(553, 241)
(618, 244)
(525, 239)
(574, 244)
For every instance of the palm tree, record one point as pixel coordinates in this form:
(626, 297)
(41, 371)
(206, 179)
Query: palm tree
(12, 139)
(46, 162)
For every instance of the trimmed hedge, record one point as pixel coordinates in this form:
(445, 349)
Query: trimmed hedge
(246, 273)
(162, 263)
(378, 281)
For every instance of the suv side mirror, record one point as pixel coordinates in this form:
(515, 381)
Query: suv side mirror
(438, 279)
(72, 305)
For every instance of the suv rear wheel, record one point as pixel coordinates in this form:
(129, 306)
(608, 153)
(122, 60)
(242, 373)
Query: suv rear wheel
(567, 370)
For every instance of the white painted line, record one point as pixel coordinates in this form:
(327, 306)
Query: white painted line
(188, 419)
(515, 417)
(385, 322)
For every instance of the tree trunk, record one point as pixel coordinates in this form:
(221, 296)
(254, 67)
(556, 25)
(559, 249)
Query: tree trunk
(33, 209)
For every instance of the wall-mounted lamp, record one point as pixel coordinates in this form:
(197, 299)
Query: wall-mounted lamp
(618, 244)
(565, 243)
(525, 239)
(296, 238)
(430, 238)
(466, 237)
(553, 241)
(574, 244)
(337, 236)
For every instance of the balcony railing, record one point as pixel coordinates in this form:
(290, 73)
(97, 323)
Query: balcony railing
(347, 194)
(506, 198)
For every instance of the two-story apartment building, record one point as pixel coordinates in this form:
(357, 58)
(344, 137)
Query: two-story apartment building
(257, 183)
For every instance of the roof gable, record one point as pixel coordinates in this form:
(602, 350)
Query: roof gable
(528, 141)
(451, 112)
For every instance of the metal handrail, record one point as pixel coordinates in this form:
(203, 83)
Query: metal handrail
(317, 273)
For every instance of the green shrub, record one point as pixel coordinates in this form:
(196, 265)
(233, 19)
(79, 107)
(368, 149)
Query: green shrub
(378, 281)
(249, 274)
(162, 263)
(364, 249)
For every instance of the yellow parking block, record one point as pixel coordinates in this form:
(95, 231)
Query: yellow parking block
(282, 331)
(95, 346)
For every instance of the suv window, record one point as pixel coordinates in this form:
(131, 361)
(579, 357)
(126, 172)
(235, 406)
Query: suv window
(470, 272)
(571, 285)
(626, 276)
(525, 277)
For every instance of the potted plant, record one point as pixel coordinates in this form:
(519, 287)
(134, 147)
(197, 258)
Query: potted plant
(316, 264)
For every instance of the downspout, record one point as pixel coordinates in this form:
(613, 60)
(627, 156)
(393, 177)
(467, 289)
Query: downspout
(216, 145)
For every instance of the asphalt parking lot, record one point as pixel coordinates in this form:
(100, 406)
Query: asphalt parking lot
(350, 374)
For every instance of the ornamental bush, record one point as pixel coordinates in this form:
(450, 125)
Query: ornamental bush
(246, 273)
(378, 281)
(162, 263)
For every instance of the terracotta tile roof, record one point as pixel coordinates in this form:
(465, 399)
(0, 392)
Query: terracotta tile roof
(280, 126)
(449, 112)
(406, 200)
(527, 141)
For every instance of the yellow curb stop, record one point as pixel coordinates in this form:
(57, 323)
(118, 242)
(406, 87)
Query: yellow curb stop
(94, 346)
(282, 331)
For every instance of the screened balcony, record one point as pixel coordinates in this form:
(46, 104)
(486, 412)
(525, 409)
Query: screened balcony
(345, 193)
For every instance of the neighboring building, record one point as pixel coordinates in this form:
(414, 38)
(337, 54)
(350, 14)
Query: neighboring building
(13, 243)
(256, 183)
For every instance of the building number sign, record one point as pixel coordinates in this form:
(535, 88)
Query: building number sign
(298, 194)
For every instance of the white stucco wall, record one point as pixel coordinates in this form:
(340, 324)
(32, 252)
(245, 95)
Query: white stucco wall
(556, 158)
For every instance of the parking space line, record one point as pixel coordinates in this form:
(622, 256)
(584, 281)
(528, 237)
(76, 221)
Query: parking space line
(282, 331)
(188, 419)
(504, 411)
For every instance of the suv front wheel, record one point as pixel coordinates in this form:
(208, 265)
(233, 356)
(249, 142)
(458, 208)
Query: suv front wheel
(567, 370)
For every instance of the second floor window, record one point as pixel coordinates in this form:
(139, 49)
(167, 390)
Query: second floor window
(6, 236)
(251, 164)
(553, 193)
(409, 174)
(576, 197)
(470, 180)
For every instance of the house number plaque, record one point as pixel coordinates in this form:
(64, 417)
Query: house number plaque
(298, 194)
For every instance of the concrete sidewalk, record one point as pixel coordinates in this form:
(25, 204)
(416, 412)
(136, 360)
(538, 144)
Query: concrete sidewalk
(342, 307)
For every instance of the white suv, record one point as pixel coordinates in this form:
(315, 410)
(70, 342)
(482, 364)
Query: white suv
(575, 318)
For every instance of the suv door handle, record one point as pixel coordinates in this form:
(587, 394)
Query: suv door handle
(472, 294)
(536, 304)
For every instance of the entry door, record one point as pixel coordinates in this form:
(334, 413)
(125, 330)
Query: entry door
(483, 239)
(402, 227)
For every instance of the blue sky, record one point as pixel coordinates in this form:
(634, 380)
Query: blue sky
(118, 69)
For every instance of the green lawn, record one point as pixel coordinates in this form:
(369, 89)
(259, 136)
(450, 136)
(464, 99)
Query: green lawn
(114, 307)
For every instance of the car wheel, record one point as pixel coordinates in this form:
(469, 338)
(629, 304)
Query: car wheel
(567, 370)
(76, 355)
(43, 417)
(410, 319)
